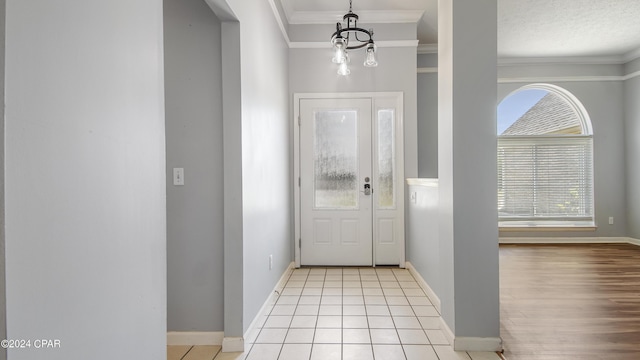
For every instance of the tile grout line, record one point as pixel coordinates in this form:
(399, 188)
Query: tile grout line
(324, 294)
(292, 316)
(395, 326)
(269, 315)
(185, 354)
(366, 314)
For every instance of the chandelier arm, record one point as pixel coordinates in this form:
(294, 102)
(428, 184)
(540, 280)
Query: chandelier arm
(348, 32)
(354, 47)
(354, 30)
(358, 39)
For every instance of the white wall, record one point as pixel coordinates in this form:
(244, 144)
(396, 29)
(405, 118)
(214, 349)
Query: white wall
(632, 134)
(85, 178)
(195, 230)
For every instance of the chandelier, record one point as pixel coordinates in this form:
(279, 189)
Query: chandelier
(351, 37)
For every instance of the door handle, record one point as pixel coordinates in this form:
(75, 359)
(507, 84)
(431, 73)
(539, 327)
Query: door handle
(367, 189)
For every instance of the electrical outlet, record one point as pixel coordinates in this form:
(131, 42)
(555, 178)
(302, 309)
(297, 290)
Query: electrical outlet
(270, 262)
(611, 220)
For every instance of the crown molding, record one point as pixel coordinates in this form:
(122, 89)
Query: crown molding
(371, 17)
(287, 6)
(327, 45)
(397, 43)
(427, 70)
(549, 79)
(554, 79)
(280, 22)
(428, 49)
(573, 60)
(632, 55)
(631, 75)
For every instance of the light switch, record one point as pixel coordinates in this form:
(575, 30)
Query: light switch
(178, 176)
(414, 197)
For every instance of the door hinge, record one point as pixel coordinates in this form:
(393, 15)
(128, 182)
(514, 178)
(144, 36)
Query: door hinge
(299, 121)
(299, 182)
(300, 243)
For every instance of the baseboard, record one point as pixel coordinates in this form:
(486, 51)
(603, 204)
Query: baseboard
(461, 343)
(233, 344)
(266, 307)
(447, 331)
(195, 337)
(273, 297)
(229, 344)
(568, 240)
(633, 241)
(492, 344)
(435, 300)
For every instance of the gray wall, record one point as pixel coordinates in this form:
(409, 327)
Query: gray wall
(428, 125)
(467, 170)
(265, 147)
(632, 134)
(423, 245)
(3, 302)
(603, 101)
(85, 178)
(193, 109)
(632, 66)
(312, 71)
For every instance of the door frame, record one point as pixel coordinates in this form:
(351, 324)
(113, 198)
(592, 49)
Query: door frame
(398, 97)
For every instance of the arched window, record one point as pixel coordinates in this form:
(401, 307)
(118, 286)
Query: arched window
(545, 158)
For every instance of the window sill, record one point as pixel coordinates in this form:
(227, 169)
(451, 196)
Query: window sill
(526, 226)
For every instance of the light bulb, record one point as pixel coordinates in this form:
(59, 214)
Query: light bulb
(344, 69)
(370, 60)
(340, 54)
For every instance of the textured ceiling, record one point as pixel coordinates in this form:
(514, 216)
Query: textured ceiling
(568, 27)
(526, 28)
(343, 5)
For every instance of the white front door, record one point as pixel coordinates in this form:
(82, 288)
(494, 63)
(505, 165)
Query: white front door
(349, 164)
(336, 182)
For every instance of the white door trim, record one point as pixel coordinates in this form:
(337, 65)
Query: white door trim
(296, 157)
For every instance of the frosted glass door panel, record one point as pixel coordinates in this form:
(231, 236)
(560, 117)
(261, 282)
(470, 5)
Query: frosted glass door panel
(336, 159)
(386, 159)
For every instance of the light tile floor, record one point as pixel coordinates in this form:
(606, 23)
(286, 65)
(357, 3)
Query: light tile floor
(343, 314)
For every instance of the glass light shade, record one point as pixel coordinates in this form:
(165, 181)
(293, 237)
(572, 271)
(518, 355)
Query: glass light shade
(370, 60)
(344, 69)
(340, 55)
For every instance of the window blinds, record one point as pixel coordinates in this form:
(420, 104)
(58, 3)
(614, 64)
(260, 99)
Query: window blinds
(545, 178)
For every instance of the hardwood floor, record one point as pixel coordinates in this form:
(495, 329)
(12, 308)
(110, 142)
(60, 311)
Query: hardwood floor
(570, 302)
